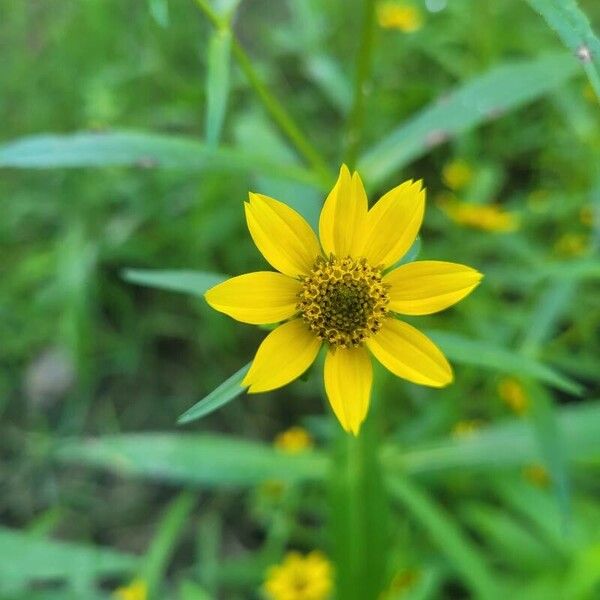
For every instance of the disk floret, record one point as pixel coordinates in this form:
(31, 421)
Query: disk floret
(343, 300)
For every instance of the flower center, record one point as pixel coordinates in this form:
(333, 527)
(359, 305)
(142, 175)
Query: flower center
(343, 300)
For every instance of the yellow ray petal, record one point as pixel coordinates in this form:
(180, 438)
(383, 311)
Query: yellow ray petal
(282, 357)
(348, 378)
(409, 354)
(343, 218)
(257, 298)
(428, 286)
(284, 238)
(393, 224)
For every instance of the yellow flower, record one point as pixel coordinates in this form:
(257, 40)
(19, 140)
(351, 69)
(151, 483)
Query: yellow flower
(136, 590)
(457, 174)
(300, 577)
(487, 217)
(537, 475)
(571, 244)
(513, 394)
(293, 440)
(404, 17)
(466, 428)
(344, 294)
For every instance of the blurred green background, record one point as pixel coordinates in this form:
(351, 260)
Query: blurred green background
(491, 486)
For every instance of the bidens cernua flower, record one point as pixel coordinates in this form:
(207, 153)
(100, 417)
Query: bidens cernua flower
(341, 293)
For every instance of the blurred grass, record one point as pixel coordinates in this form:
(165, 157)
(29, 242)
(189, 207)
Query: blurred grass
(153, 94)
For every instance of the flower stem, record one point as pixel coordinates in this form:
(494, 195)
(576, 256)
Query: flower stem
(273, 106)
(359, 515)
(363, 68)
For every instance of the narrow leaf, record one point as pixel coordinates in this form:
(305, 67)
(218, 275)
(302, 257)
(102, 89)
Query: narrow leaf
(573, 28)
(189, 282)
(231, 388)
(506, 445)
(217, 84)
(143, 150)
(199, 460)
(31, 558)
(498, 91)
(495, 358)
(465, 557)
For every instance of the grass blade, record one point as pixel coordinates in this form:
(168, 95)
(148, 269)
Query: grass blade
(573, 28)
(217, 84)
(445, 533)
(31, 558)
(197, 460)
(189, 282)
(502, 446)
(495, 358)
(143, 150)
(230, 389)
(165, 540)
(500, 90)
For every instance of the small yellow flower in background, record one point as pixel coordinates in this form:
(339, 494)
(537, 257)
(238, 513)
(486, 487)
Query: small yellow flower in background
(457, 174)
(537, 475)
(300, 577)
(404, 17)
(571, 244)
(487, 217)
(513, 395)
(343, 292)
(466, 428)
(293, 440)
(136, 590)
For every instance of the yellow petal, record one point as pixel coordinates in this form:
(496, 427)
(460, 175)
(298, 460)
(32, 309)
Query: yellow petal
(348, 378)
(428, 286)
(393, 224)
(284, 238)
(258, 298)
(409, 354)
(343, 218)
(282, 357)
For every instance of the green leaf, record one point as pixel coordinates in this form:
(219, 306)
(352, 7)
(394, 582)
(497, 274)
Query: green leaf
(573, 28)
(495, 358)
(464, 555)
(163, 545)
(217, 83)
(500, 90)
(144, 150)
(502, 446)
(189, 282)
(199, 460)
(231, 388)
(159, 9)
(31, 558)
(552, 447)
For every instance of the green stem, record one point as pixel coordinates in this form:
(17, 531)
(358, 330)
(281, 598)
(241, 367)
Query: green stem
(363, 68)
(359, 514)
(273, 106)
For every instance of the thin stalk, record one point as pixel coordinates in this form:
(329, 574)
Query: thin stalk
(363, 68)
(273, 106)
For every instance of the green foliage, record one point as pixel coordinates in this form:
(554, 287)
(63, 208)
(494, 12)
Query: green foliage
(29, 557)
(163, 115)
(502, 89)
